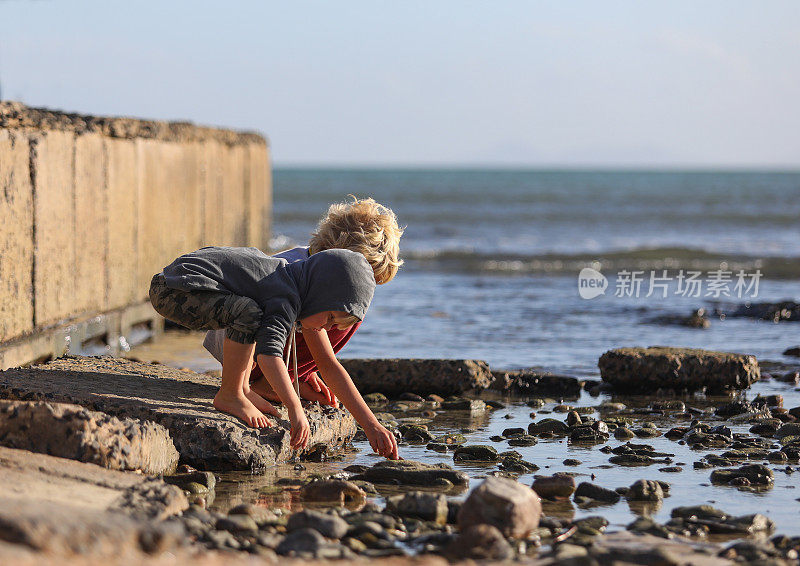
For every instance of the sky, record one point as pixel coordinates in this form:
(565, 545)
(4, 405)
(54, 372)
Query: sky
(663, 84)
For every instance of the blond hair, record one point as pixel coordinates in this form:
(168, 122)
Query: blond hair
(362, 226)
(346, 321)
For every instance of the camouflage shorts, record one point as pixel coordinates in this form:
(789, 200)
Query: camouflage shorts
(207, 310)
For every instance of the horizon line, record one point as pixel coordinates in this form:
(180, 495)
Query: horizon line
(672, 168)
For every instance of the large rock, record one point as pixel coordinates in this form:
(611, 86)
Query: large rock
(71, 431)
(480, 542)
(425, 506)
(413, 473)
(441, 377)
(62, 506)
(510, 506)
(644, 370)
(176, 399)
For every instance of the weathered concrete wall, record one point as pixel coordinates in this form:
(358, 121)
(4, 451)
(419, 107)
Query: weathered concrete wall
(92, 207)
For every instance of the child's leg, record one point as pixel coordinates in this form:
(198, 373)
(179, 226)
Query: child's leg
(231, 398)
(209, 310)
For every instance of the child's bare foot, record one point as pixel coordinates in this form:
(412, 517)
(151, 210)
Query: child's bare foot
(261, 404)
(242, 408)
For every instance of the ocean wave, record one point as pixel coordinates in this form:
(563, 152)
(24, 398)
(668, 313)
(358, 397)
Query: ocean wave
(644, 259)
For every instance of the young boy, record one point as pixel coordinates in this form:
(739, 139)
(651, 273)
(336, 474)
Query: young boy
(259, 299)
(363, 226)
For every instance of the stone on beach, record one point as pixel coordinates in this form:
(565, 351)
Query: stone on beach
(73, 432)
(425, 506)
(755, 474)
(328, 525)
(179, 400)
(413, 473)
(597, 493)
(647, 370)
(394, 377)
(510, 506)
(559, 485)
(480, 542)
(333, 491)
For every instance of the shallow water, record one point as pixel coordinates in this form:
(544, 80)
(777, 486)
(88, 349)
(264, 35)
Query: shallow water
(781, 503)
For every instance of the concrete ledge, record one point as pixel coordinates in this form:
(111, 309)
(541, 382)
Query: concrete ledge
(108, 333)
(646, 370)
(17, 115)
(178, 400)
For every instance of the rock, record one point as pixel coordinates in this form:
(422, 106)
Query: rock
(413, 473)
(532, 383)
(699, 511)
(480, 542)
(548, 426)
(183, 480)
(415, 433)
(572, 462)
(508, 505)
(375, 399)
(622, 433)
(573, 419)
(597, 493)
(70, 431)
(237, 524)
(302, 541)
(475, 453)
(451, 439)
(645, 490)
(333, 491)
(787, 429)
(512, 462)
(792, 352)
(589, 434)
(425, 506)
(645, 370)
(394, 377)
(756, 474)
(524, 440)
(697, 319)
(330, 526)
(512, 432)
(180, 401)
(559, 485)
(774, 312)
(459, 404)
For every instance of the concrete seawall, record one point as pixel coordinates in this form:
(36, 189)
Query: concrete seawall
(91, 207)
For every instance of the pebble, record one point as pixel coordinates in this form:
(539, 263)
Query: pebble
(508, 505)
(597, 493)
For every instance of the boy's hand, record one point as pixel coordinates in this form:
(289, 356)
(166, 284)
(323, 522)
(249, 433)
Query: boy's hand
(300, 432)
(318, 391)
(382, 441)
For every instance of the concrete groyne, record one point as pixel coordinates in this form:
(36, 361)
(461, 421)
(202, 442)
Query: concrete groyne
(91, 207)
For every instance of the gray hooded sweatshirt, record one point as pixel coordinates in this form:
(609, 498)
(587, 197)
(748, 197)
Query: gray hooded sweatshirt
(331, 280)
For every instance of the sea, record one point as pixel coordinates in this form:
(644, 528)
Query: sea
(493, 260)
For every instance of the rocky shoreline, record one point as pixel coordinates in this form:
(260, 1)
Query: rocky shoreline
(89, 448)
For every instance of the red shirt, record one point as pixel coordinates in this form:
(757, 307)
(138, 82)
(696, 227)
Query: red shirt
(306, 366)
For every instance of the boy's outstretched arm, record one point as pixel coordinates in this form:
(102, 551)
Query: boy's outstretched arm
(382, 441)
(274, 371)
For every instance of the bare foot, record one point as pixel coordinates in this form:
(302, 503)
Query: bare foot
(242, 408)
(261, 404)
